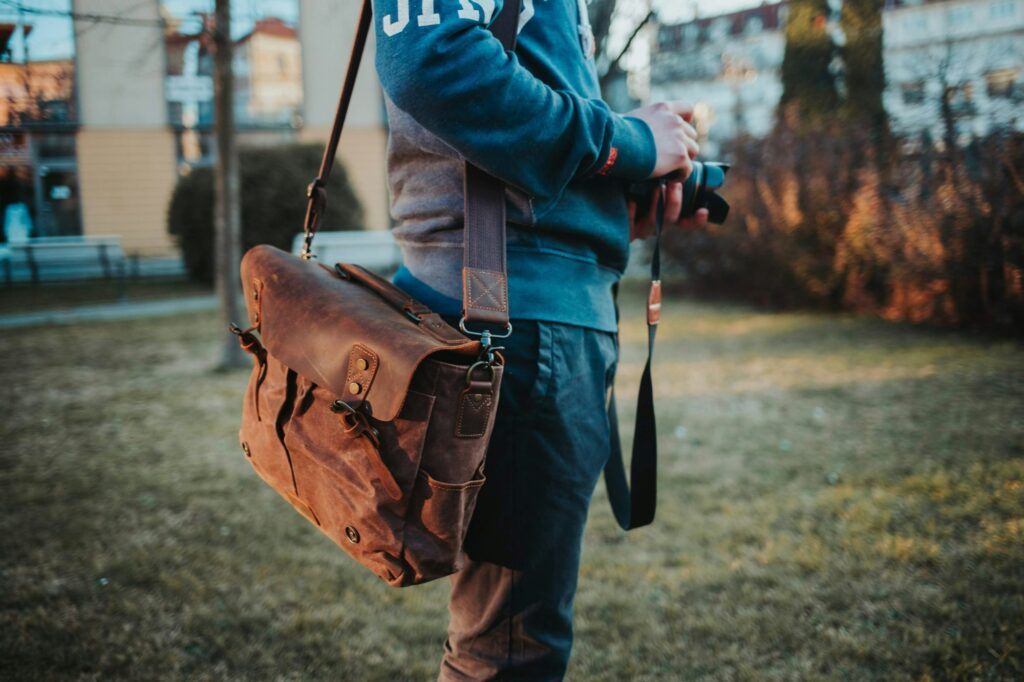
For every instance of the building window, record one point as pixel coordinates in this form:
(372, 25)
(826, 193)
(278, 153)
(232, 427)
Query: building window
(960, 99)
(1002, 84)
(268, 68)
(913, 93)
(1002, 9)
(38, 119)
(915, 24)
(691, 34)
(961, 16)
(719, 28)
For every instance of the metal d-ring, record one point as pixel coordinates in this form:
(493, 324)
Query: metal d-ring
(475, 366)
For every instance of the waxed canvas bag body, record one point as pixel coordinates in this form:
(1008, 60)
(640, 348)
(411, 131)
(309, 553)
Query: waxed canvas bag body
(371, 422)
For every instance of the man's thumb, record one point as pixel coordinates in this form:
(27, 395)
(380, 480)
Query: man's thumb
(684, 109)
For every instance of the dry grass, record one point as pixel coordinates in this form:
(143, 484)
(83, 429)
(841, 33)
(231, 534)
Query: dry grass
(840, 499)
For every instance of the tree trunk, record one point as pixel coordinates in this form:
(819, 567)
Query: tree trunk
(227, 218)
(807, 79)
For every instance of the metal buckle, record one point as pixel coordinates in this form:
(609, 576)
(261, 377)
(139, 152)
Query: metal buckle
(487, 349)
(485, 333)
(355, 421)
(316, 193)
(307, 246)
(486, 337)
(487, 364)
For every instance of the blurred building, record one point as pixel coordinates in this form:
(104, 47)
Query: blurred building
(37, 124)
(949, 64)
(954, 66)
(268, 73)
(728, 65)
(104, 103)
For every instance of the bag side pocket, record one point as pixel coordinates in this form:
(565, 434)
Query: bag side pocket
(436, 525)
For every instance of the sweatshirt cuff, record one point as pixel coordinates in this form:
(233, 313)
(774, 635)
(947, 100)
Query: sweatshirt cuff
(632, 155)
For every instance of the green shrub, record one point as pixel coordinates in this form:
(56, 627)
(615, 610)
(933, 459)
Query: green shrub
(273, 195)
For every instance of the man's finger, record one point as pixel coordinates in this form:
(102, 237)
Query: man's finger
(684, 109)
(685, 169)
(673, 202)
(698, 221)
(692, 148)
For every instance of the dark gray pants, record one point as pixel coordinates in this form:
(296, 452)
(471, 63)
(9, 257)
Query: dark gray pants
(511, 606)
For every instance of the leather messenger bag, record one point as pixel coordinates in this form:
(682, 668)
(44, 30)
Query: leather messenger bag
(368, 412)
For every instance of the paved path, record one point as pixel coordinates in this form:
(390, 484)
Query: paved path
(110, 312)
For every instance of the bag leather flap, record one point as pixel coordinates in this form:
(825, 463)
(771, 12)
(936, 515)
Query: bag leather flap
(318, 324)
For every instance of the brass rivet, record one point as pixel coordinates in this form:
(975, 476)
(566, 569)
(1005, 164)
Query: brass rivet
(355, 388)
(362, 364)
(245, 449)
(352, 534)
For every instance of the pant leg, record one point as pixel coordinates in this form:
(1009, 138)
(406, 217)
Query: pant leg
(511, 606)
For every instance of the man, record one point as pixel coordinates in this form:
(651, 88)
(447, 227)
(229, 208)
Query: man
(535, 120)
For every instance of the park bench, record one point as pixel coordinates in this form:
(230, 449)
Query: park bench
(63, 258)
(373, 249)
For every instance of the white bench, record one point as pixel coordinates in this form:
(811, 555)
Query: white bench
(63, 258)
(375, 250)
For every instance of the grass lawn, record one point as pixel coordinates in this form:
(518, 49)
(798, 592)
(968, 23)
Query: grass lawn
(841, 499)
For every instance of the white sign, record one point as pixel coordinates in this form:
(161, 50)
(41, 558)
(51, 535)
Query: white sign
(189, 88)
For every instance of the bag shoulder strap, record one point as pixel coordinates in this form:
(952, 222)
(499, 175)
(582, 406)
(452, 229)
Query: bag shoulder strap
(484, 278)
(485, 283)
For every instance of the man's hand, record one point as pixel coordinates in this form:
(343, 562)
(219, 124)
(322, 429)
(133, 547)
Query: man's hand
(676, 141)
(674, 136)
(673, 194)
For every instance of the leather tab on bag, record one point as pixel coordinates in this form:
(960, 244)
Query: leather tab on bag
(362, 368)
(485, 296)
(654, 303)
(474, 411)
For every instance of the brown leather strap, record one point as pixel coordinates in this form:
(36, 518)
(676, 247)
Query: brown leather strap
(484, 281)
(389, 292)
(484, 278)
(316, 192)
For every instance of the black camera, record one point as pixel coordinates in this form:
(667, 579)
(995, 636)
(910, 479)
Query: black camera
(698, 191)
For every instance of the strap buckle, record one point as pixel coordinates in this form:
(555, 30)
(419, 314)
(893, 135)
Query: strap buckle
(486, 335)
(355, 420)
(316, 193)
(486, 341)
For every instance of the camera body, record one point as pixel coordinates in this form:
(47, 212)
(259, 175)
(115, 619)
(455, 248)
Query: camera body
(698, 191)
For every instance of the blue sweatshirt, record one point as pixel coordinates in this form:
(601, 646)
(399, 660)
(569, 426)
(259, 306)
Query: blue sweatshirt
(535, 120)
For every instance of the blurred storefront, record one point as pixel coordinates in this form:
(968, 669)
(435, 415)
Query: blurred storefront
(38, 172)
(104, 103)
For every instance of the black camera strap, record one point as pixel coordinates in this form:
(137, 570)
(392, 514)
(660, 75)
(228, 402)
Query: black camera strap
(634, 503)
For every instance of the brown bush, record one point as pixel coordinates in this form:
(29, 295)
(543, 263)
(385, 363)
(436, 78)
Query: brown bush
(819, 220)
